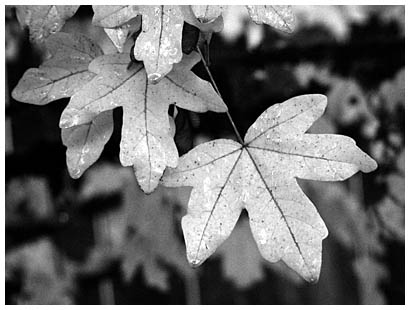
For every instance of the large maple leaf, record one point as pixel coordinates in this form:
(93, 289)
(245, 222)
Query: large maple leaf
(260, 176)
(146, 141)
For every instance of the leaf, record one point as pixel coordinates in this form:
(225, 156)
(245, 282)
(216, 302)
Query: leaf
(159, 43)
(260, 176)
(44, 20)
(146, 141)
(61, 75)
(118, 36)
(278, 16)
(113, 16)
(85, 143)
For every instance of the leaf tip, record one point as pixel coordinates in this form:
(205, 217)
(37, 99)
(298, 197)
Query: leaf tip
(370, 165)
(195, 263)
(320, 100)
(66, 122)
(75, 173)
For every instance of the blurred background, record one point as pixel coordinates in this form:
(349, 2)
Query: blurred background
(100, 240)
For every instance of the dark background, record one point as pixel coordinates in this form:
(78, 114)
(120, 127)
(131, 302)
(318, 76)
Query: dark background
(66, 241)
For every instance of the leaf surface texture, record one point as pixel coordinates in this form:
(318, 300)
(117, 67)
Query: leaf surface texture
(260, 176)
(62, 74)
(278, 16)
(146, 142)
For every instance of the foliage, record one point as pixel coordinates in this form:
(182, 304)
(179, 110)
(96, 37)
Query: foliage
(258, 174)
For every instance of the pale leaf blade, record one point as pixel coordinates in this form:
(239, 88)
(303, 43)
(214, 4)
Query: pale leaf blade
(191, 92)
(112, 16)
(114, 86)
(159, 44)
(322, 157)
(118, 36)
(61, 75)
(85, 143)
(284, 222)
(44, 20)
(210, 217)
(43, 85)
(290, 118)
(146, 143)
(261, 177)
(278, 16)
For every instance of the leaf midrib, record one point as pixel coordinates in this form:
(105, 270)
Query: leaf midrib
(283, 216)
(216, 201)
(280, 210)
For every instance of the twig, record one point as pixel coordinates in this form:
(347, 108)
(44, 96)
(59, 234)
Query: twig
(219, 94)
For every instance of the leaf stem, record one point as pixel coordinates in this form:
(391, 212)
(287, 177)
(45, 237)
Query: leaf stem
(219, 94)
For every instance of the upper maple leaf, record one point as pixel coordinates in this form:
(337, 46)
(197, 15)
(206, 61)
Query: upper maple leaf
(146, 142)
(260, 176)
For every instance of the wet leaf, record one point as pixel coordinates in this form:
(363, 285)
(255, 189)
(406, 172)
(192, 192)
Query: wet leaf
(146, 142)
(112, 16)
(61, 75)
(260, 176)
(85, 143)
(118, 36)
(278, 16)
(159, 43)
(44, 20)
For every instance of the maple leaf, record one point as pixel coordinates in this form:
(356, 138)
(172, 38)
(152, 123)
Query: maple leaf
(159, 43)
(146, 141)
(278, 16)
(44, 20)
(62, 74)
(260, 176)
